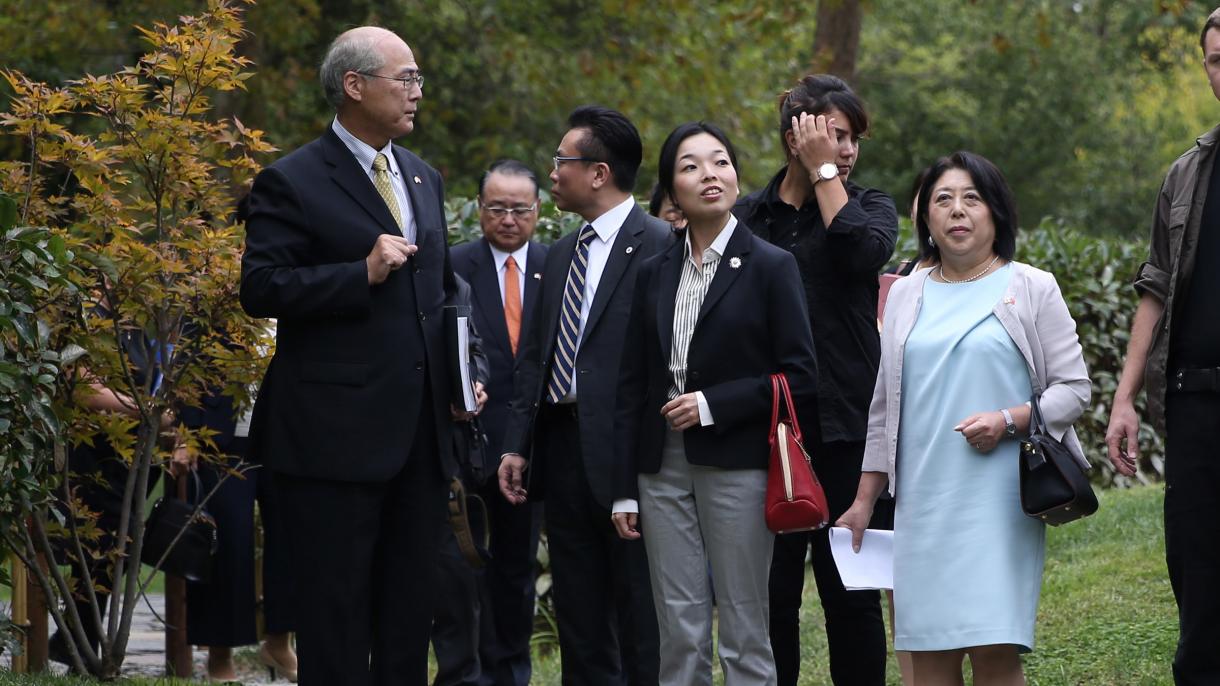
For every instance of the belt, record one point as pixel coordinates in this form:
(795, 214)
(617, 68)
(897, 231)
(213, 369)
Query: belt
(1195, 380)
(562, 410)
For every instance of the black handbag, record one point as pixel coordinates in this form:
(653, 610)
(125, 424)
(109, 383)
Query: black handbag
(190, 557)
(1054, 487)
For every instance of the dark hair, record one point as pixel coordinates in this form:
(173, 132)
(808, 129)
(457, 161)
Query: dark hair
(669, 151)
(508, 168)
(818, 94)
(656, 200)
(609, 137)
(1213, 22)
(991, 185)
(925, 250)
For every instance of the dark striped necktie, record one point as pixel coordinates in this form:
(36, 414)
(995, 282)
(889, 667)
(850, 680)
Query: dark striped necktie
(562, 370)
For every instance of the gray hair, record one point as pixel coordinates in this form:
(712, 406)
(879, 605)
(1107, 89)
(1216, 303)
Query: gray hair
(351, 51)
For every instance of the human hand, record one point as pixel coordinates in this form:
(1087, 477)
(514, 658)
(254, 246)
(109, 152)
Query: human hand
(626, 524)
(682, 412)
(389, 254)
(982, 430)
(512, 467)
(480, 397)
(1122, 437)
(815, 141)
(856, 518)
(182, 461)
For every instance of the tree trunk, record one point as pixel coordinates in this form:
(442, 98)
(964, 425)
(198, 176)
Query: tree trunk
(836, 41)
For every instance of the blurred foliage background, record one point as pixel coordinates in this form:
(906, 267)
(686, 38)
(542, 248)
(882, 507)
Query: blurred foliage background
(1082, 103)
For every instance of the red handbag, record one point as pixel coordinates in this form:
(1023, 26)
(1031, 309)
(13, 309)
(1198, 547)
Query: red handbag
(795, 499)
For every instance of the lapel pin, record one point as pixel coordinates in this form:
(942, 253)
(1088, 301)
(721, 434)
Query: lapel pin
(1010, 300)
(735, 262)
(630, 250)
(538, 275)
(417, 180)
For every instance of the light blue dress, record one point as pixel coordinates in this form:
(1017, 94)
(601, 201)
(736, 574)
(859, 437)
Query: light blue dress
(967, 560)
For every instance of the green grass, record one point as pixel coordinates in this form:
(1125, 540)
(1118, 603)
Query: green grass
(1106, 617)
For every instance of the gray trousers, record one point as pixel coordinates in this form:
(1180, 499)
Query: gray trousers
(691, 515)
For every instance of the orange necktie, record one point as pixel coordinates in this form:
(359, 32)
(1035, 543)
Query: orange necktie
(512, 302)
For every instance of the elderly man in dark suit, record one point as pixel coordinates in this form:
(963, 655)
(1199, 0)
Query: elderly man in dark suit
(482, 635)
(346, 247)
(562, 417)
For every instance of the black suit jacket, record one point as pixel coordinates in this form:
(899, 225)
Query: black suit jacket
(597, 360)
(473, 262)
(354, 364)
(752, 324)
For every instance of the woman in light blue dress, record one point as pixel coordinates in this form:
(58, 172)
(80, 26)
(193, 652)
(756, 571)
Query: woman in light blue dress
(965, 344)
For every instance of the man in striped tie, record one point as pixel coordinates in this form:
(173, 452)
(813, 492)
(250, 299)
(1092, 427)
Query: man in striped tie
(562, 418)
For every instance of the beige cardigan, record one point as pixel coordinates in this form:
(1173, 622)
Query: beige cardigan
(1034, 314)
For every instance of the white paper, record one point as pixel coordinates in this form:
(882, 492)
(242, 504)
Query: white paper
(463, 332)
(872, 567)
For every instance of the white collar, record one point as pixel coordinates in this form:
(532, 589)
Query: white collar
(607, 225)
(365, 153)
(720, 242)
(519, 255)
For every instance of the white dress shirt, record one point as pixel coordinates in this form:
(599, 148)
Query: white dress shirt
(365, 154)
(606, 227)
(501, 258)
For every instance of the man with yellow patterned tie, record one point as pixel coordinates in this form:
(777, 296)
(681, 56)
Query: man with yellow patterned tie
(346, 247)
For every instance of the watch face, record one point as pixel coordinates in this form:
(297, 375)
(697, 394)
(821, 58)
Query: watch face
(828, 171)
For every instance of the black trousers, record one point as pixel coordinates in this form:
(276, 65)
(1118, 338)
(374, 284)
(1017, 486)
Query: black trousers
(855, 630)
(364, 555)
(222, 611)
(482, 628)
(1192, 532)
(603, 599)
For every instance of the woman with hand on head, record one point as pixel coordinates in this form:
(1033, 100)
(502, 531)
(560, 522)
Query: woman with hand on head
(713, 317)
(963, 346)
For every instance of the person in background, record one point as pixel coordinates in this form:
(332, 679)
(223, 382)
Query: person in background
(221, 613)
(842, 235)
(963, 347)
(661, 206)
(714, 317)
(1175, 349)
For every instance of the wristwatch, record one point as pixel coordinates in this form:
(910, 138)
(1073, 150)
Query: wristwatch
(1010, 427)
(826, 171)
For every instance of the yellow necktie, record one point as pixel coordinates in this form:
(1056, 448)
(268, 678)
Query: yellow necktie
(381, 179)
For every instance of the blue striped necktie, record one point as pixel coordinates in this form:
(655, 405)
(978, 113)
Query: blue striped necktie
(562, 370)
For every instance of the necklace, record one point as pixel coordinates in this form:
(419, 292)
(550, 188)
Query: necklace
(940, 271)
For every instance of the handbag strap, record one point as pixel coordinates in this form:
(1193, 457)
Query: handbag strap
(1036, 424)
(779, 386)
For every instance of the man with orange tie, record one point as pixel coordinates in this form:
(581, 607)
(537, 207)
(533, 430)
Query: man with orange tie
(482, 634)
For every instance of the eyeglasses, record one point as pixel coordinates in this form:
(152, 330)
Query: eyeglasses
(406, 81)
(561, 158)
(501, 212)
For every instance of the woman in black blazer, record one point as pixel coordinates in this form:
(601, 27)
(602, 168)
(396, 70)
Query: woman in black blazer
(693, 415)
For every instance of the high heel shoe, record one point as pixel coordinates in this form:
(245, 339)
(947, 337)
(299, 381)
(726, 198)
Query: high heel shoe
(273, 665)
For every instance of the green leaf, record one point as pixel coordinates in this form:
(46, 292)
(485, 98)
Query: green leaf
(8, 212)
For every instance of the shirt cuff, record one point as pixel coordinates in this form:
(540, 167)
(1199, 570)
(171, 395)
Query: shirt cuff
(629, 505)
(705, 412)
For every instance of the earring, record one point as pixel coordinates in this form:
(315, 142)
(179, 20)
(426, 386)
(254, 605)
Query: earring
(931, 243)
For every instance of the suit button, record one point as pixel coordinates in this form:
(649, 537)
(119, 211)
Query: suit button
(419, 365)
(422, 316)
(694, 375)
